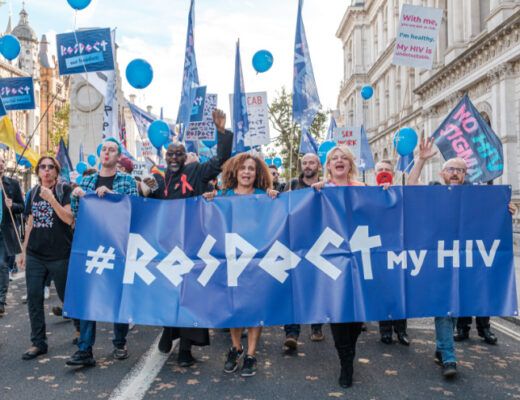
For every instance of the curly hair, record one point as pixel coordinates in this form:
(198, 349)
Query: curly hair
(231, 167)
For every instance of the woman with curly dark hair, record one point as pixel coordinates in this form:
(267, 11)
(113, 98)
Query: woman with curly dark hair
(244, 174)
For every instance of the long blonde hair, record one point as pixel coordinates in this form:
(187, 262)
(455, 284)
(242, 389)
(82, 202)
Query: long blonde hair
(353, 172)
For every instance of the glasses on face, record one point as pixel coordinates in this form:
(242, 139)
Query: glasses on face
(50, 167)
(452, 170)
(175, 153)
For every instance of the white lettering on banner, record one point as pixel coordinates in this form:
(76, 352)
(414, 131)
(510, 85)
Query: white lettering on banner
(315, 253)
(100, 260)
(363, 242)
(211, 262)
(396, 259)
(278, 260)
(417, 261)
(137, 266)
(175, 265)
(488, 258)
(442, 254)
(469, 253)
(235, 266)
(401, 258)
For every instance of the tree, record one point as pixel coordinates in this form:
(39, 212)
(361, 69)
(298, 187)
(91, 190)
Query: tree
(280, 115)
(59, 129)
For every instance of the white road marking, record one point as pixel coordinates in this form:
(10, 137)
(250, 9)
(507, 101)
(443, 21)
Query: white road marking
(137, 382)
(506, 331)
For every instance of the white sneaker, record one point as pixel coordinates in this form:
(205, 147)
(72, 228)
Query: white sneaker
(46, 292)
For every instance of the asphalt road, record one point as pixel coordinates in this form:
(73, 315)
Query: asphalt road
(381, 371)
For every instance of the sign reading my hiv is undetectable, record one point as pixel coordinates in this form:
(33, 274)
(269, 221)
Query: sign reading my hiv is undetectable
(417, 36)
(17, 93)
(85, 51)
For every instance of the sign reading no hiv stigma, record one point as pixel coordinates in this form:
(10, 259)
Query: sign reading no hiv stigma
(465, 134)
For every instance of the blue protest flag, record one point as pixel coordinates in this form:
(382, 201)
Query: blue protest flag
(190, 81)
(240, 118)
(306, 102)
(465, 134)
(366, 161)
(330, 131)
(62, 156)
(406, 163)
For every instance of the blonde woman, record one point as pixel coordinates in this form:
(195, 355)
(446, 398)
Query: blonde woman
(340, 170)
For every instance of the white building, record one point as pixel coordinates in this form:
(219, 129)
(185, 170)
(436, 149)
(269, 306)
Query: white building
(478, 53)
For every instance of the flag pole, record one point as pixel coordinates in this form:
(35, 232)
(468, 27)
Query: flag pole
(32, 134)
(11, 215)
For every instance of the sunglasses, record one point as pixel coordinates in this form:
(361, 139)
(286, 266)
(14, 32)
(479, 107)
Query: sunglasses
(175, 153)
(50, 167)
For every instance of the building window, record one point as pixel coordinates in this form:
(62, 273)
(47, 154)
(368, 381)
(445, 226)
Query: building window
(484, 13)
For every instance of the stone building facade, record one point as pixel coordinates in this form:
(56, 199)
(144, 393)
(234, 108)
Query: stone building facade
(478, 53)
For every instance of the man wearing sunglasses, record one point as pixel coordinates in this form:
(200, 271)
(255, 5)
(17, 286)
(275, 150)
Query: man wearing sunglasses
(183, 180)
(11, 198)
(453, 173)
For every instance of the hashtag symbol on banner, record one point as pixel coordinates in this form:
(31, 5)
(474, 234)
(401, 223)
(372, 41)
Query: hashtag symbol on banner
(100, 260)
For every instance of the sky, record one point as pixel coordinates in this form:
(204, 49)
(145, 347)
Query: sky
(156, 31)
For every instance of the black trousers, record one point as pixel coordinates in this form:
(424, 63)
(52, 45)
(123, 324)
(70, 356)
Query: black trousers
(464, 323)
(37, 272)
(345, 336)
(399, 326)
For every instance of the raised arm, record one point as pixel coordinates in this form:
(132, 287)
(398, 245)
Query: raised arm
(426, 151)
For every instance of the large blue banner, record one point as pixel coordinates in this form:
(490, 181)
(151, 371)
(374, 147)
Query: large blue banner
(85, 51)
(342, 254)
(465, 134)
(17, 93)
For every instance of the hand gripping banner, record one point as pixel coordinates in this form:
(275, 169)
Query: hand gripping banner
(339, 255)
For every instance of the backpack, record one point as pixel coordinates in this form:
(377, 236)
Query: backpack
(59, 192)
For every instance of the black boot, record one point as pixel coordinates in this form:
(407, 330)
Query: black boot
(462, 334)
(346, 358)
(165, 343)
(488, 336)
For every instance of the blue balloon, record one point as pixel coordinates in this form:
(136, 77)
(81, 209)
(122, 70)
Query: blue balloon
(139, 73)
(159, 133)
(277, 161)
(405, 141)
(98, 150)
(9, 47)
(262, 61)
(209, 143)
(81, 167)
(367, 92)
(91, 160)
(269, 161)
(324, 149)
(79, 179)
(167, 144)
(79, 4)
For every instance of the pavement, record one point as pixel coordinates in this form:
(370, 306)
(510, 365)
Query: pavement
(381, 371)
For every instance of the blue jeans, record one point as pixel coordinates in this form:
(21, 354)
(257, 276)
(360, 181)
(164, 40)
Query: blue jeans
(294, 329)
(444, 338)
(87, 336)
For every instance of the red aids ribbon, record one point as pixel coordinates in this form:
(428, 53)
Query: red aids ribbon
(185, 184)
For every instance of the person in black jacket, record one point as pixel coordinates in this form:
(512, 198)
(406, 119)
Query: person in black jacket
(9, 240)
(182, 181)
